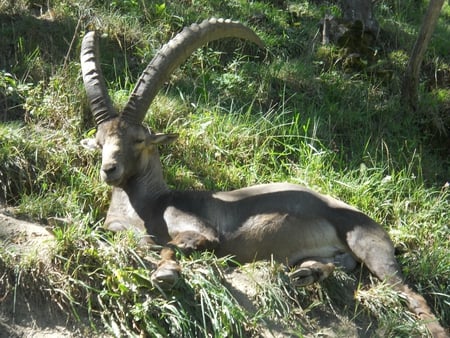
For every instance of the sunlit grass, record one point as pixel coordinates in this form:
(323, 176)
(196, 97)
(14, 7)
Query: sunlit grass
(293, 116)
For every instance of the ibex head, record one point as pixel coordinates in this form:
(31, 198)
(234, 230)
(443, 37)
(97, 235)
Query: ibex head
(128, 147)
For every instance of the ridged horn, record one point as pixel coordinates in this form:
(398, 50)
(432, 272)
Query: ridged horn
(174, 53)
(101, 105)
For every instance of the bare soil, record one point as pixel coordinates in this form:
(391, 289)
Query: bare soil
(24, 311)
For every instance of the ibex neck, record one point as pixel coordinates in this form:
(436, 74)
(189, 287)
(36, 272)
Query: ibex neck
(149, 185)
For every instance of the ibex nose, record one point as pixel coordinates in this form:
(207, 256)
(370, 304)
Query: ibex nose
(111, 173)
(109, 168)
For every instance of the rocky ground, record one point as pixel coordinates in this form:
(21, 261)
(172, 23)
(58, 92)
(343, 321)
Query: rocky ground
(23, 311)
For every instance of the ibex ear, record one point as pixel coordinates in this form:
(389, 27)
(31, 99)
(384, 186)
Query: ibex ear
(90, 143)
(162, 138)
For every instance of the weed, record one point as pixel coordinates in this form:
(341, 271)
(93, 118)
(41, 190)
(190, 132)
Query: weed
(296, 115)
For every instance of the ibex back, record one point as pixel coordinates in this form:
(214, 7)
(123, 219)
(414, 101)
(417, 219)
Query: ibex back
(293, 224)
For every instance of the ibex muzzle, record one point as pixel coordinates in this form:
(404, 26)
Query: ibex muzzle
(293, 224)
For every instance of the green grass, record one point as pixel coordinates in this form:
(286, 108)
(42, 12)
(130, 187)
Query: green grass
(297, 114)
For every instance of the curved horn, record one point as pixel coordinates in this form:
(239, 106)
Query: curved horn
(99, 100)
(175, 52)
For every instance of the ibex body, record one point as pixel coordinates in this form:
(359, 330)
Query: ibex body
(293, 224)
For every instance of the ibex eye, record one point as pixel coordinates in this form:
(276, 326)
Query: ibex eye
(139, 140)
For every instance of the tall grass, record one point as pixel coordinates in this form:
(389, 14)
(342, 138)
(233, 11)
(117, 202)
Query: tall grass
(295, 114)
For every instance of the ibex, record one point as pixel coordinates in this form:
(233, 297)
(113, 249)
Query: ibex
(293, 224)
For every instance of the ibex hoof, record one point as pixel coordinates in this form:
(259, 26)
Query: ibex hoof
(166, 275)
(310, 272)
(302, 277)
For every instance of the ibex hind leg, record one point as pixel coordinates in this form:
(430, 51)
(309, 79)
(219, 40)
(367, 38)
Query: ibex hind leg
(374, 248)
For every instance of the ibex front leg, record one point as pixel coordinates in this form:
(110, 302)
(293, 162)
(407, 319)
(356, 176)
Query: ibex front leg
(197, 236)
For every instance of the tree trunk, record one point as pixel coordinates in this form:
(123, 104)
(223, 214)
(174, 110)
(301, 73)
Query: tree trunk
(410, 86)
(356, 31)
(354, 11)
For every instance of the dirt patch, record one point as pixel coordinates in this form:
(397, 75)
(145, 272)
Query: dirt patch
(21, 238)
(26, 310)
